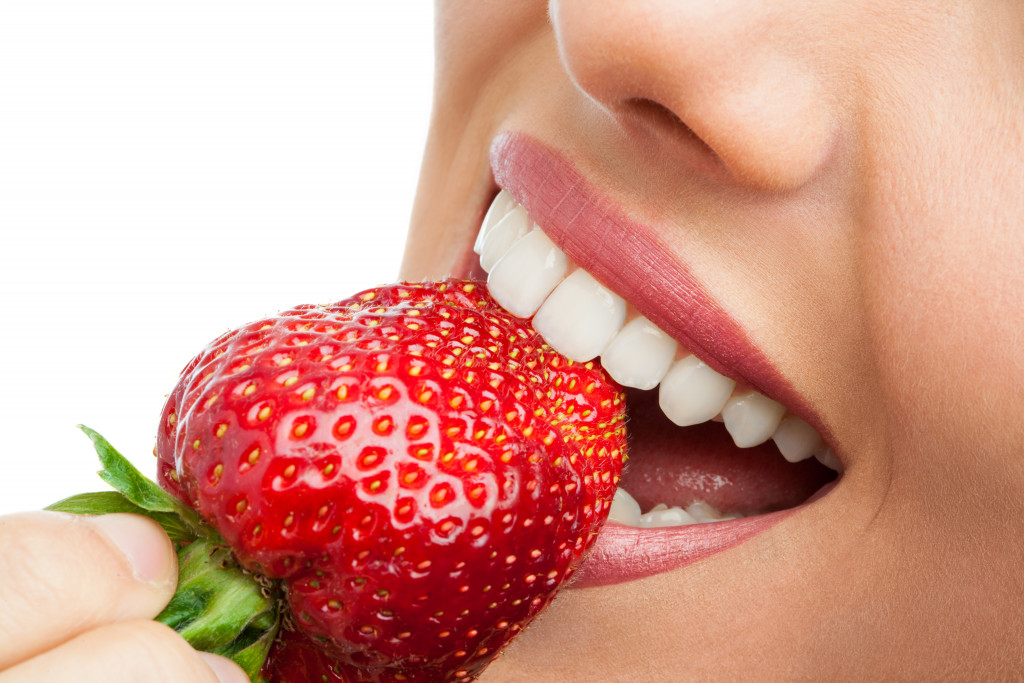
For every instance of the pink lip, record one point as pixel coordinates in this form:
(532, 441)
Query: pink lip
(631, 261)
(623, 553)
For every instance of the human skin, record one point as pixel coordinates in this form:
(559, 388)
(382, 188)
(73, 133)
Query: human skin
(844, 179)
(78, 598)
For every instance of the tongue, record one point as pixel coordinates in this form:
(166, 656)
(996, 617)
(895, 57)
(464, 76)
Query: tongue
(678, 466)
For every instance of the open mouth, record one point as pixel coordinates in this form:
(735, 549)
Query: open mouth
(717, 452)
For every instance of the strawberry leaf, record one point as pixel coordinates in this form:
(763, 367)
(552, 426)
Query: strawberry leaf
(106, 502)
(145, 493)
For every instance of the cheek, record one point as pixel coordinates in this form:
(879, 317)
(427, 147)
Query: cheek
(473, 42)
(946, 291)
(941, 259)
(943, 284)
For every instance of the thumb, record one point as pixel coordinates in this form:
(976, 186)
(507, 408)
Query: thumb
(63, 574)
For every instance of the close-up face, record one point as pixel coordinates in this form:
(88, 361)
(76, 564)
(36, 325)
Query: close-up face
(813, 213)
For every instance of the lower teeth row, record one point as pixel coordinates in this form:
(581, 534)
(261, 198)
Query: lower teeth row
(626, 511)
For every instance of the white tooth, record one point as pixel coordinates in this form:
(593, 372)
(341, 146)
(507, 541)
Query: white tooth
(661, 515)
(526, 274)
(502, 204)
(692, 393)
(625, 509)
(751, 418)
(706, 512)
(580, 317)
(639, 355)
(796, 439)
(827, 457)
(503, 235)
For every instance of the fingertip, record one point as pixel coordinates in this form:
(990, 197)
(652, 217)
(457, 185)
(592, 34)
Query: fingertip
(225, 669)
(144, 544)
(65, 574)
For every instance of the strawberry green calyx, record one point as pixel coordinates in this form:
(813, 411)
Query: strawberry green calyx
(218, 606)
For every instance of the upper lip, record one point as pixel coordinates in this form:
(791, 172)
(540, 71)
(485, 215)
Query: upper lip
(628, 258)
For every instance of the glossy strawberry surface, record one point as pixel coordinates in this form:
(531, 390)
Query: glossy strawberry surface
(419, 470)
(295, 658)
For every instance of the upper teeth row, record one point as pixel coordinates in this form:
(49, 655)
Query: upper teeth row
(582, 319)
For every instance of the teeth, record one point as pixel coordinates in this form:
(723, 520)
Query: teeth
(662, 515)
(625, 510)
(827, 457)
(580, 317)
(751, 418)
(639, 355)
(706, 512)
(796, 439)
(692, 393)
(500, 238)
(502, 204)
(526, 274)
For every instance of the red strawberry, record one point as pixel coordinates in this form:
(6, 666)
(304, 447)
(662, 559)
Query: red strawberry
(415, 466)
(295, 658)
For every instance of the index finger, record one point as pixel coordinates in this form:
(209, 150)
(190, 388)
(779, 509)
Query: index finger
(63, 574)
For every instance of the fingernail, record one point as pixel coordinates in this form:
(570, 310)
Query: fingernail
(144, 544)
(227, 671)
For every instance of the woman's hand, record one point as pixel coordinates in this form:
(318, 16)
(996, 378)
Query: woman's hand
(77, 599)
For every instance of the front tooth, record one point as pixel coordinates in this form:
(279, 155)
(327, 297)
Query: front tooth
(692, 393)
(751, 418)
(639, 355)
(500, 238)
(501, 205)
(526, 274)
(580, 317)
(625, 509)
(796, 439)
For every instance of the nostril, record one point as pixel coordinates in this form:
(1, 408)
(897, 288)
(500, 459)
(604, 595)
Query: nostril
(657, 115)
(775, 145)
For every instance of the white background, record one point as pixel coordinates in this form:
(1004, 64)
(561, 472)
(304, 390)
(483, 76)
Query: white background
(169, 170)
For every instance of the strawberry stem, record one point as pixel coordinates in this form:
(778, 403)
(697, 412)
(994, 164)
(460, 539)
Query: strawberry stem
(218, 606)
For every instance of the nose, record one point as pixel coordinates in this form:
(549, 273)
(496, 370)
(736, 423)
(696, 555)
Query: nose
(741, 80)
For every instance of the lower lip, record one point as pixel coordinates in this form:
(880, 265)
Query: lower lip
(623, 553)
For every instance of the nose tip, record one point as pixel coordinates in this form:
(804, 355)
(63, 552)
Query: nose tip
(734, 79)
